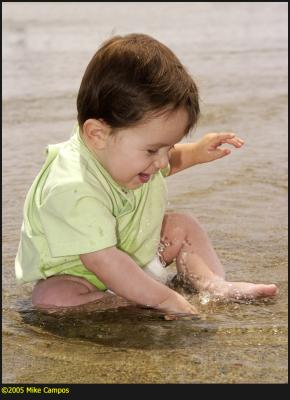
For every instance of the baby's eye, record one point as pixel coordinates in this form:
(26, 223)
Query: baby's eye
(152, 151)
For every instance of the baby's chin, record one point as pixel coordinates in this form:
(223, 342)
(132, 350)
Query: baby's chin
(131, 186)
(136, 183)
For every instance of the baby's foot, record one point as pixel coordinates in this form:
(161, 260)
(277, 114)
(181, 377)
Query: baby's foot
(240, 290)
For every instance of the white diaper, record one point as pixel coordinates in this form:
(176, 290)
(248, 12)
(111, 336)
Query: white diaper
(156, 270)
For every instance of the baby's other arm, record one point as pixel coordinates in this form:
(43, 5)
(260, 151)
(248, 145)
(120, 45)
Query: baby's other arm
(185, 155)
(124, 277)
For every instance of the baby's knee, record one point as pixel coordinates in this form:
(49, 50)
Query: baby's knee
(185, 221)
(40, 295)
(57, 291)
(177, 227)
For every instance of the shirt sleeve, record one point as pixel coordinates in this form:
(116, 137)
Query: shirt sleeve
(74, 223)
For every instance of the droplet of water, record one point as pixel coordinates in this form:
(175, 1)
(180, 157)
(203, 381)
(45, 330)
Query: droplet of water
(204, 298)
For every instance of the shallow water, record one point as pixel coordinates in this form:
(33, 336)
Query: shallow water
(237, 53)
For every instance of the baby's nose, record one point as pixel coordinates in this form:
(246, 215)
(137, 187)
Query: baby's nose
(161, 162)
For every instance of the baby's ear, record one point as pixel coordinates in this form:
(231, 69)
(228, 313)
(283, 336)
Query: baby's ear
(96, 132)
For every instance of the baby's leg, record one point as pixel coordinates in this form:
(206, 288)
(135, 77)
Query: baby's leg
(187, 242)
(64, 291)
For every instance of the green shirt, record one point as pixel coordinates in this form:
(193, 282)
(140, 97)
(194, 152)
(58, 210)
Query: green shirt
(75, 207)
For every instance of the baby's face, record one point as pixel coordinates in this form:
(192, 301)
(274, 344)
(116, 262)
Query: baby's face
(133, 155)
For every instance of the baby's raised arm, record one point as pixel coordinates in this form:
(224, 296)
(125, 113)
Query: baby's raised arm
(124, 277)
(206, 149)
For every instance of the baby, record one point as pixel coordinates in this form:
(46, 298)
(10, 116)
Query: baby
(95, 219)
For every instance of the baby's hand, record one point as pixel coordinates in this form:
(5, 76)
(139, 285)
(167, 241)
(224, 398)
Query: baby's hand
(175, 305)
(208, 147)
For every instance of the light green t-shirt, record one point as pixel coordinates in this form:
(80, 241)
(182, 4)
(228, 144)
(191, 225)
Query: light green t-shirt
(75, 207)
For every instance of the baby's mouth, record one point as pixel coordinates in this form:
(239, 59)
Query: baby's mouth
(144, 177)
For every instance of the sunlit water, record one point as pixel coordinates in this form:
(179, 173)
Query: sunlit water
(237, 53)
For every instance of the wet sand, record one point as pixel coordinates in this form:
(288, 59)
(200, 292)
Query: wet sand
(237, 54)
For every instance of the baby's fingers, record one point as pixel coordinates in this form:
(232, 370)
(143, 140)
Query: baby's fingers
(229, 138)
(235, 141)
(221, 152)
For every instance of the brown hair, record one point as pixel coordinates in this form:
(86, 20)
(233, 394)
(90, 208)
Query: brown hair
(132, 77)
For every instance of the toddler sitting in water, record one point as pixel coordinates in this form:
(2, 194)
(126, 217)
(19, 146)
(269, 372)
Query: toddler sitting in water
(94, 218)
